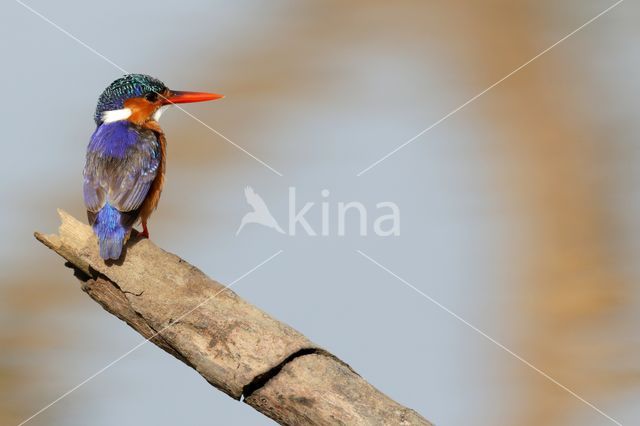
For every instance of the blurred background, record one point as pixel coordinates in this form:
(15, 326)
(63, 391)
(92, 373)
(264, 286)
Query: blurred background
(520, 213)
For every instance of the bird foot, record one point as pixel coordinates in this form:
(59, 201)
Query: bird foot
(145, 231)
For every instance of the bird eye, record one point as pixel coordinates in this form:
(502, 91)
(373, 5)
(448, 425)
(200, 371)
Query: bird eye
(151, 97)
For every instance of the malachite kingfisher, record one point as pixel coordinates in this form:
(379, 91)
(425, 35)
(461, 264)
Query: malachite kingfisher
(126, 157)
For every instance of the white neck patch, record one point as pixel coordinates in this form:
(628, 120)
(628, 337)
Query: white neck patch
(159, 111)
(116, 115)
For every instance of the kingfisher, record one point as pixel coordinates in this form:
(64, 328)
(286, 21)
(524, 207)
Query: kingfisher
(126, 157)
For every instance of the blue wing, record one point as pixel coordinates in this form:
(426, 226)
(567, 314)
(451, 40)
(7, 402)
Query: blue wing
(122, 162)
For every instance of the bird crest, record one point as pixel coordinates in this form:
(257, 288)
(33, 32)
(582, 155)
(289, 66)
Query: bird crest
(260, 214)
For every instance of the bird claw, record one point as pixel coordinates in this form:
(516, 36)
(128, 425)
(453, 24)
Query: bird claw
(145, 231)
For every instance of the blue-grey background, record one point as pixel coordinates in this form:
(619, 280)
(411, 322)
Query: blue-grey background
(519, 213)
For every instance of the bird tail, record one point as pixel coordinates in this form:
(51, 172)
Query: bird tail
(111, 232)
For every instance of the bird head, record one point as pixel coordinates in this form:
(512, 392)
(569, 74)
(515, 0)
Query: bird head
(139, 98)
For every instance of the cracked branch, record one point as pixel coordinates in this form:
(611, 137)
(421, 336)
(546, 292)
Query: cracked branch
(235, 346)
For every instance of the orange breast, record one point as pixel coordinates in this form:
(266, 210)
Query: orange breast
(153, 196)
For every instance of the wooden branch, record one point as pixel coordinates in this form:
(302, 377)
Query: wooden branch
(236, 347)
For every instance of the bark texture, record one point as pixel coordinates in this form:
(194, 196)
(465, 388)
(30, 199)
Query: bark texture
(235, 346)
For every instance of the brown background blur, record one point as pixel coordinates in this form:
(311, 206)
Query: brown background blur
(519, 213)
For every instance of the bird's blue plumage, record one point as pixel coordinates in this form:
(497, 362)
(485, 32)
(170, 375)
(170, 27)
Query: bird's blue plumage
(110, 231)
(122, 162)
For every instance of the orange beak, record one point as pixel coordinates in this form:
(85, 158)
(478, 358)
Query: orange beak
(179, 97)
